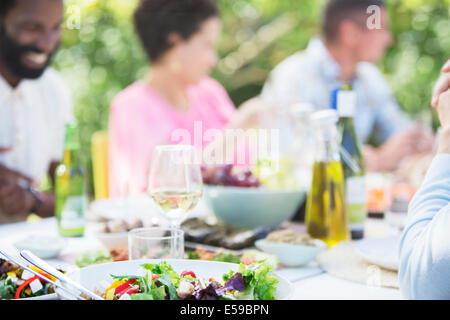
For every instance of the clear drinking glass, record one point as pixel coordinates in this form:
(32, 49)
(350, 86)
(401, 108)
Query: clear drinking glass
(155, 243)
(175, 181)
(399, 195)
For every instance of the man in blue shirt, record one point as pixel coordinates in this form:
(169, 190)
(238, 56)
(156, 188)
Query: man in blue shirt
(347, 53)
(424, 271)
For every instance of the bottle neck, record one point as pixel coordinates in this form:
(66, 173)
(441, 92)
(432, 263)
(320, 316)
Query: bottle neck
(327, 146)
(346, 123)
(70, 157)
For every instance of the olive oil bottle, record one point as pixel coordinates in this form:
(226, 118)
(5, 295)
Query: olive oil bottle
(325, 208)
(70, 194)
(352, 162)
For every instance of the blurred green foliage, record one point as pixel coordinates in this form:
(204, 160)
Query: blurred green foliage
(101, 54)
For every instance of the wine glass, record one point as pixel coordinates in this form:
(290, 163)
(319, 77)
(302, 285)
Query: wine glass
(175, 181)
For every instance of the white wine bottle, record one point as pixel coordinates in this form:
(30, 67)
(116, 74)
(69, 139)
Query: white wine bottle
(352, 162)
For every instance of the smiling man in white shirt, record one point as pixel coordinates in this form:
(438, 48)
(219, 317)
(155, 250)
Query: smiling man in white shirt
(35, 105)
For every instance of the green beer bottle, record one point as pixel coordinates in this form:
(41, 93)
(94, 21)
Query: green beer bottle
(70, 194)
(353, 163)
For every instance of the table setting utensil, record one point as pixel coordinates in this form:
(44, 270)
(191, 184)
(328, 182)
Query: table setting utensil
(41, 264)
(24, 267)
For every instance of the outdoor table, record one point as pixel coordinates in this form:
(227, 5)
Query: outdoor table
(310, 282)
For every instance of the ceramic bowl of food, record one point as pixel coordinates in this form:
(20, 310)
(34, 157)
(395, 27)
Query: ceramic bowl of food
(250, 208)
(291, 249)
(114, 233)
(97, 278)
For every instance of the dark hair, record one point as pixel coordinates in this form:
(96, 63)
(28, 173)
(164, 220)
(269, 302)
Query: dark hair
(156, 19)
(5, 5)
(337, 11)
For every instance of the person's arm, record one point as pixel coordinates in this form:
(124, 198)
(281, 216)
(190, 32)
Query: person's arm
(18, 197)
(425, 244)
(398, 136)
(388, 156)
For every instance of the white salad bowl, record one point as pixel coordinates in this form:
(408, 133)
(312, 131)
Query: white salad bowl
(51, 296)
(99, 276)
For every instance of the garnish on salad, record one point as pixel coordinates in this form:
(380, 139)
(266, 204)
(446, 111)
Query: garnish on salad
(160, 282)
(17, 283)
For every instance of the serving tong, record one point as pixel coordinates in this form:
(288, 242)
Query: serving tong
(66, 284)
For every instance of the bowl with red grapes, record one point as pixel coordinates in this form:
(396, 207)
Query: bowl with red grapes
(239, 198)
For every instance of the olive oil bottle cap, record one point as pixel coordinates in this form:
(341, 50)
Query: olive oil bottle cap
(325, 117)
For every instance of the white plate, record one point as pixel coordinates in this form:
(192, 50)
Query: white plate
(382, 252)
(93, 276)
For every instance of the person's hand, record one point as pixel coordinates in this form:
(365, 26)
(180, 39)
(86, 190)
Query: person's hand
(444, 109)
(409, 142)
(442, 85)
(250, 114)
(15, 199)
(7, 174)
(444, 117)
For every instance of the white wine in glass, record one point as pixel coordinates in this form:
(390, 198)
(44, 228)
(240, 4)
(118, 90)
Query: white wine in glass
(175, 181)
(176, 204)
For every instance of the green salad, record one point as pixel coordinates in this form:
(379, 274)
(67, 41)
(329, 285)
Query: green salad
(256, 281)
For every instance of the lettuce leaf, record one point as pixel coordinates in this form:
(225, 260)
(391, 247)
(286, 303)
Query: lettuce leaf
(93, 257)
(259, 280)
(7, 289)
(161, 269)
(167, 281)
(158, 293)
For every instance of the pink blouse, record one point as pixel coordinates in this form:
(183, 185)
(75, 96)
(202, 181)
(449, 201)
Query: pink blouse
(140, 120)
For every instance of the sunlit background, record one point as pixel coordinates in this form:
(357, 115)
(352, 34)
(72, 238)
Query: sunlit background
(101, 54)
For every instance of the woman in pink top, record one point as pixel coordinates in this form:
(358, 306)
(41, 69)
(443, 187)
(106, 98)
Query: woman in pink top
(179, 37)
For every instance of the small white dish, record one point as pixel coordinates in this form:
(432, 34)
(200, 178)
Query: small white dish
(382, 252)
(292, 255)
(45, 247)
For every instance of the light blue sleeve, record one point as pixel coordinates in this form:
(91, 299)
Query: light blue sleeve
(424, 271)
